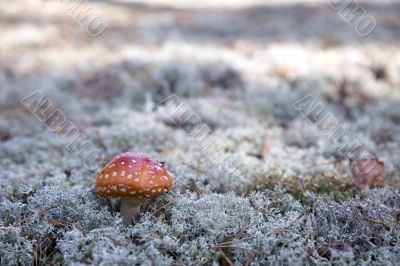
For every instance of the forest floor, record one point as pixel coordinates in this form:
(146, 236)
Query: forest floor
(243, 71)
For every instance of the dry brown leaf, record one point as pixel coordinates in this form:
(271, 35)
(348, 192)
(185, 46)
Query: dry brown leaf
(368, 174)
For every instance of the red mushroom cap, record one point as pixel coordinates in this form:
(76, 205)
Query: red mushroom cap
(133, 175)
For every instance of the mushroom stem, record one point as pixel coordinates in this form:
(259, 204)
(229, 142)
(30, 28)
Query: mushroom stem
(130, 209)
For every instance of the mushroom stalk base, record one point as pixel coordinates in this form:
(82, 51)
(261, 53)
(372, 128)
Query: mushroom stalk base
(130, 209)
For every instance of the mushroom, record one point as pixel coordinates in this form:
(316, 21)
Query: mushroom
(135, 178)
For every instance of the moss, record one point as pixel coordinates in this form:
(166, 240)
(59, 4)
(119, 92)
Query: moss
(87, 258)
(338, 191)
(8, 221)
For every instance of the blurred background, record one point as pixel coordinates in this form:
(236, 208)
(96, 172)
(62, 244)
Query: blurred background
(44, 36)
(235, 63)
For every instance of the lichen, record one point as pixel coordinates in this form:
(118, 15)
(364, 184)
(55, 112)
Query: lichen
(239, 70)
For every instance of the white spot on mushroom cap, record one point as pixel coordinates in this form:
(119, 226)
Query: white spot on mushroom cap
(137, 180)
(114, 174)
(129, 177)
(106, 176)
(122, 173)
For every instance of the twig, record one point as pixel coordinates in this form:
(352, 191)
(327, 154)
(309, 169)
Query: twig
(248, 249)
(7, 227)
(230, 263)
(116, 242)
(162, 207)
(253, 205)
(153, 238)
(83, 230)
(201, 171)
(63, 223)
(250, 259)
(233, 241)
(296, 221)
(242, 230)
(387, 227)
(41, 249)
(30, 216)
(194, 187)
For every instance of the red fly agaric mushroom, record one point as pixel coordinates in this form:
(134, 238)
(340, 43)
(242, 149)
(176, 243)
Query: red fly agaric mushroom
(135, 178)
